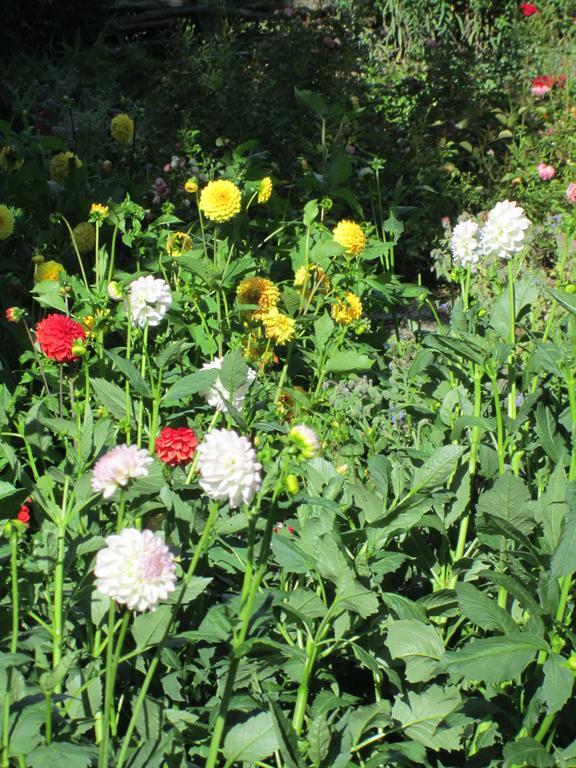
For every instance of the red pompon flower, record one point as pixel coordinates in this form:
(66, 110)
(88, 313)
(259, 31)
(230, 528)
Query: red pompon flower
(56, 334)
(23, 515)
(176, 446)
(528, 9)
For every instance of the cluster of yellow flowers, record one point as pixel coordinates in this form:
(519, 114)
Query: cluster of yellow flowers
(262, 293)
(60, 166)
(6, 222)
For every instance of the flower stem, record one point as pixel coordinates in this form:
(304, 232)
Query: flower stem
(13, 644)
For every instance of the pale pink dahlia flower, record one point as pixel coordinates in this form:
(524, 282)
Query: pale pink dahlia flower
(136, 569)
(117, 467)
(546, 172)
(228, 467)
(571, 192)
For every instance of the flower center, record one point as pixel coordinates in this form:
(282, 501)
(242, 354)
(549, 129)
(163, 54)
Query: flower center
(151, 566)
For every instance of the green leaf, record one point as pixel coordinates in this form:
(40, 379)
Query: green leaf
(311, 211)
(372, 716)
(112, 397)
(418, 645)
(318, 738)
(355, 597)
(482, 610)
(558, 683)
(199, 381)
(567, 300)
(149, 628)
(132, 373)
(47, 294)
(287, 738)
(437, 469)
(493, 659)
(234, 372)
(62, 753)
(508, 500)
(344, 361)
(312, 100)
(528, 752)
(323, 328)
(421, 716)
(564, 558)
(251, 741)
(290, 556)
(196, 586)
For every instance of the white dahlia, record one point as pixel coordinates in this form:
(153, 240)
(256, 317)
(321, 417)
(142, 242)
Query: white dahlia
(117, 467)
(136, 569)
(218, 396)
(149, 300)
(228, 467)
(505, 230)
(465, 243)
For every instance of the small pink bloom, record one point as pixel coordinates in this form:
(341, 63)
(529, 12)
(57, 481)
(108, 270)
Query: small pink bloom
(546, 172)
(167, 167)
(541, 85)
(571, 192)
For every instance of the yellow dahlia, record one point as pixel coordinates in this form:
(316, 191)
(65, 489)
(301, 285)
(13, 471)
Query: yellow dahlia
(347, 310)
(349, 235)
(259, 291)
(6, 222)
(48, 270)
(277, 326)
(311, 277)
(60, 166)
(122, 128)
(99, 211)
(178, 243)
(84, 236)
(265, 190)
(191, 186)
(220, 200)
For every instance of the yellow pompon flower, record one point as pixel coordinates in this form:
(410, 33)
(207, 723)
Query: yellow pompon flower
(191, 186)
(349, 235)
(265, 190)
(60, 166)
(99, 211)
(312, 277)
(277, 326)
(6, 222)
(220, 200)
(84, 236)
(122, 128)
(259, 291)
(178, 243)
(346, 311)
(48, 270)
(88, 323)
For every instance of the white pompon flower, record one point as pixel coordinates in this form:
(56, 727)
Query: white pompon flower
(465, 243)
(306, 440)
(117, 467)
(228, 467)
(217, 395)
(149, 300)
(136, 569)
(505, 230)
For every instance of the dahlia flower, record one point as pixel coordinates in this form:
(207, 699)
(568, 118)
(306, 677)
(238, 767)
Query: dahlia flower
(191, 186)
(278, 327)
(56, 335)
(136, 569)
(122, 128)
(14, 314)
(48, 270)
(505, 230)
(60, 166)
(176, 446)
(218, 397)
(220, 200)
(546, 172)
(178, 243)
(571, 192)
(306, 440)
(149, 300)
(265, 190)
(117, 467)
(528, 9)
(6, 222)
(465, 243)
(350, 236)
(84, 236)
(260, 291)
(346, 311)
(541, 85)
(228, 467)
(99, 211)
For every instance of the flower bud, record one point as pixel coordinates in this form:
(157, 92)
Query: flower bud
(482, 312)
(191, 186)
(292, 484)
(79, 349)
(14, 314)
(114, 291)
(572, 662)
(571, 288)
(37, 258)
(107, 166)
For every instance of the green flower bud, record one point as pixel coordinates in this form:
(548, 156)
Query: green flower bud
(292, 485)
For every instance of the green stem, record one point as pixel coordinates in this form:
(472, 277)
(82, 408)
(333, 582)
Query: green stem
(108, 689)
(512, 342)
(142, 373)
(13, 643)
(202, 546)
(499, 425)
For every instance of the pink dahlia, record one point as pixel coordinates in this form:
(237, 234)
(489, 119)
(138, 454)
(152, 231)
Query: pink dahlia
(571, 192)
(546, 172)
(117, 467)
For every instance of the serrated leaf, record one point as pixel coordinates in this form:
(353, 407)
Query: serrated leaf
(421, 716)
(493, 659)
(558, 683)
(233, 373)
(418, 645)
(149, 628)
(318, 738)
(251, 741)
(563, 561)
(199, 381)
(482, 610)
(437, 469)
(286, 735)
(508, 500)
(196, 586)
(129, 370)
(62, 753)
(112, 397)
(527, 752)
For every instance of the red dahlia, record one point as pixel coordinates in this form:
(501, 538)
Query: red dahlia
(23, 515)
(176, 446)
(529, 9)
(56, 334)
